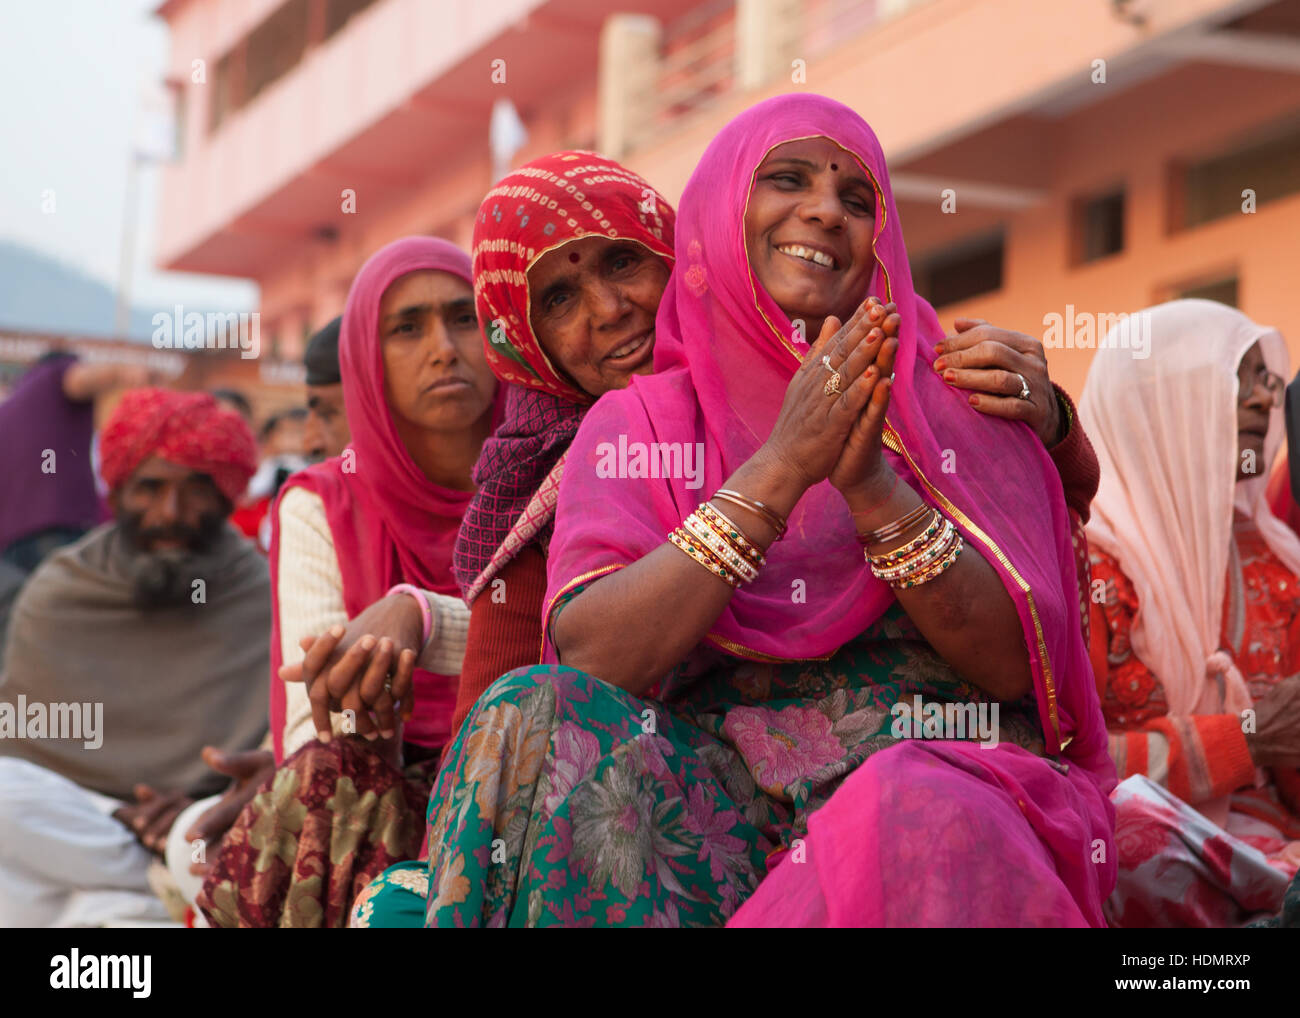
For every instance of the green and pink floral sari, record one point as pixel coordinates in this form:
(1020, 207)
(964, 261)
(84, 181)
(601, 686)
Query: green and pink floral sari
(566, 801)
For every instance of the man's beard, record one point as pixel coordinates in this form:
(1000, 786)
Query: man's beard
(163, 579)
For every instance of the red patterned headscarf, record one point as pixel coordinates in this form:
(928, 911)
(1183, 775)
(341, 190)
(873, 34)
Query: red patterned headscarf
(540, 206)
(188, 428)
(543, 204)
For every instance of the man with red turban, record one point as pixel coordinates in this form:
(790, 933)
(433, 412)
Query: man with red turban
(129, 652)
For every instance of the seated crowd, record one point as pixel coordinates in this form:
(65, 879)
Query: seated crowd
(663, 567)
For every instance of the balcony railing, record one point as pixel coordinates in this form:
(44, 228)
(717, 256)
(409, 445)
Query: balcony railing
(725, 45)
(697, 64)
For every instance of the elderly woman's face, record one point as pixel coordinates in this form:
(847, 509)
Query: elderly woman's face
(808, 230)
(1255, 401)
(592, 305)
(436, 375)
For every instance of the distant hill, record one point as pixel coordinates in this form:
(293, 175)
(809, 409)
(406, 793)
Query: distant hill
(43, 294)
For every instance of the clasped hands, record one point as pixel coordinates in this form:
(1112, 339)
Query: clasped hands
(365, 668)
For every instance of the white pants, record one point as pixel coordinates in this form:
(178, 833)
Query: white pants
(64, 860)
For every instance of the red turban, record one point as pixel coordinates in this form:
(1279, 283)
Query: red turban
(189, 428)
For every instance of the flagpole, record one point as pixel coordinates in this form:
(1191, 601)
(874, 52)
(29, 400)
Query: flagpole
(122, 317)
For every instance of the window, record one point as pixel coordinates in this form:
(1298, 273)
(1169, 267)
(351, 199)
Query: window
(225, 87)
(276, 45)
(179, 98)
(1222, 290)
(961, 272)
(1212, 188)
(1098, 227)
(337, 13)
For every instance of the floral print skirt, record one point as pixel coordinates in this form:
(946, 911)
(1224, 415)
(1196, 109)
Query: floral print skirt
(332, 817)
(1178, 869)
(567, 801)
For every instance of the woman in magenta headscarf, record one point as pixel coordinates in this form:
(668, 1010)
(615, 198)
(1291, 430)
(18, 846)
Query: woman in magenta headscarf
(734, 686)
(740, 709)
(348, 798)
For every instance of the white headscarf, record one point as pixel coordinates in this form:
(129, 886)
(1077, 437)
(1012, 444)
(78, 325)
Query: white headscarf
(1165, 431)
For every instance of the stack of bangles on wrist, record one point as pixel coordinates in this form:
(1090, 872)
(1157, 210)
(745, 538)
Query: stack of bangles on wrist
(920, 559)
(715, 542)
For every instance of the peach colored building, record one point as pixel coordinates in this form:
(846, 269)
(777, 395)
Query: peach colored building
(1049, 158)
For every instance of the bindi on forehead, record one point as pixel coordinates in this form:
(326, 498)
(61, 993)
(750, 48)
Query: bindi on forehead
(574, 257)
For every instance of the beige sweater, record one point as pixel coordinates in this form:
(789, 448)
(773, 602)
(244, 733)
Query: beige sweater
(310, 598)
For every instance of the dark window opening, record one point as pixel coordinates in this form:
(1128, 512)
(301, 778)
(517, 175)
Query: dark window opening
(1217, 187)
(1098, 227)
(337, 13)
(1222, 290)
(969, 270)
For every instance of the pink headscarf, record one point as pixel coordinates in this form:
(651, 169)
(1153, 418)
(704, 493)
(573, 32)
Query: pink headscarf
(1165, 430)
(725, 353)
(389, 522)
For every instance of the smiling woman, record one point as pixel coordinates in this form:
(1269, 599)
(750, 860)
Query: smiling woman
(594, 313)
(720, 675)
(808, 223)
(568, 285)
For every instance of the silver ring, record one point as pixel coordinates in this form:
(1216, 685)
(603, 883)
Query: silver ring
(1024, 386)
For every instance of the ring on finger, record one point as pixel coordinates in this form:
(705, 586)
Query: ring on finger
(832, 386)
(1024, 386)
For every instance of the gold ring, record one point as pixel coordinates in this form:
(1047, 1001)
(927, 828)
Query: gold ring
(832, 386)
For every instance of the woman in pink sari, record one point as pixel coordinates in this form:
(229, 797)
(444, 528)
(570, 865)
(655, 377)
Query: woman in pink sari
(734, 692)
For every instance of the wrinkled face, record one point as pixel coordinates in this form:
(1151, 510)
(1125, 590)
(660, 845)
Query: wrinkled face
(168, 508)
(592, 305)
(326, 433)
(1258, 391)
(436, 375)
(808, 230)
(170, 517)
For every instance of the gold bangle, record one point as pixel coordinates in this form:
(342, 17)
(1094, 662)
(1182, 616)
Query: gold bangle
(724, 551)
(687, 543)
(727, 528)
(921, 560)
(934, 570)
(899, 526)
(775, 519)
(933, 525)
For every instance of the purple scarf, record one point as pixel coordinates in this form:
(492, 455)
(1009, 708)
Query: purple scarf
(534, 434)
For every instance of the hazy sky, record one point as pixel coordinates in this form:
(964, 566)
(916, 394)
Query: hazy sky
(72, 80)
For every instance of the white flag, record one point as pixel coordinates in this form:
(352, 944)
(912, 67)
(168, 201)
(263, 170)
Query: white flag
(507, 135)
